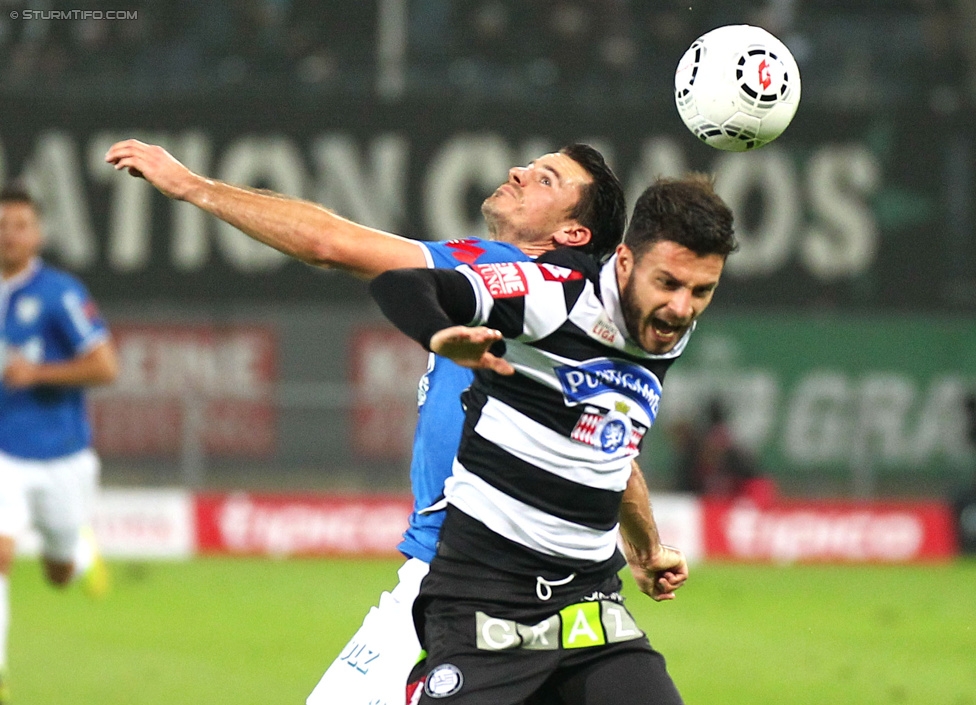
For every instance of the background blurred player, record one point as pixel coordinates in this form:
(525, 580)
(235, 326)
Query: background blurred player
(568, 198)
(53, 343)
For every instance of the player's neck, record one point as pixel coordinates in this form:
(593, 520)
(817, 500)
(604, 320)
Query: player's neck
(12, 270)
(533, 250)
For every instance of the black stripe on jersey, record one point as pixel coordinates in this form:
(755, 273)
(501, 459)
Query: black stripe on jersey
(567, 342)
(562, 498)
(543, 405)
(508, 318)
(573, 258)
(479, 543)
(572, 290)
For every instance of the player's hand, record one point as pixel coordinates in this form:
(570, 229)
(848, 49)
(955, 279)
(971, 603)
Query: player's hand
(468, 347)
(660, 575)
(154, 164)
(19, 373)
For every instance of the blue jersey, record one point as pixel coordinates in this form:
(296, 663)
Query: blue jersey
(440, 419)
(46, 315)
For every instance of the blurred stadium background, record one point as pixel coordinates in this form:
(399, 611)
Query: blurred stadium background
(841, 346)
(841, 343)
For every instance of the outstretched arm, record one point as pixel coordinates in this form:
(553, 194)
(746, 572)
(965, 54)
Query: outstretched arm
(298, 228)
(658, 569)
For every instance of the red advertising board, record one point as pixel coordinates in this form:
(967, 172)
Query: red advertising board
(385, 368)
(154, 523)
(178, 379)
(828, 531)
(300, 525)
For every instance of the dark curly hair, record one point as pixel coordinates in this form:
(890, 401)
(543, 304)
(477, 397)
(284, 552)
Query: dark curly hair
(601, 207)
(684, 210)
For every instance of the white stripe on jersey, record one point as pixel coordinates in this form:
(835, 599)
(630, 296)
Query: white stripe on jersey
(526, 525)
(484, 302)
(535, 363)
(549, 305)
(538, 445)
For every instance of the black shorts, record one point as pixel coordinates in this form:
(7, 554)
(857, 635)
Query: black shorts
(491, 640)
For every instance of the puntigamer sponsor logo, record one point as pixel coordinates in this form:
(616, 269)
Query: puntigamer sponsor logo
(602, 375)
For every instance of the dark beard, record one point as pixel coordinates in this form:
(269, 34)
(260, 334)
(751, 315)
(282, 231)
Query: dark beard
(632, 318)
(628, 307)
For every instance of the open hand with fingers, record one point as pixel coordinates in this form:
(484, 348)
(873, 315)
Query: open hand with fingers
(155, 165)
(468, 347)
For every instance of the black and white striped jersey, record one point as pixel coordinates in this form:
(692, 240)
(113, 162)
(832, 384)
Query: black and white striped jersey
(546, 453)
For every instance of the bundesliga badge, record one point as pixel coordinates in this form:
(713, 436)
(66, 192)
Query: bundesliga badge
(443, 681)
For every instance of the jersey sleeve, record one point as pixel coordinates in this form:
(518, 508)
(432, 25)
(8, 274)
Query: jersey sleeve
(448, 254)
(77, 318)
(524, 300)
(421, 302)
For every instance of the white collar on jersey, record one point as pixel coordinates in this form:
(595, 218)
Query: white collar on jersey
(610, 295)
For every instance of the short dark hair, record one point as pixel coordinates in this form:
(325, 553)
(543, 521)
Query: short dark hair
(601, 207)
(15, 192)
(684, 210)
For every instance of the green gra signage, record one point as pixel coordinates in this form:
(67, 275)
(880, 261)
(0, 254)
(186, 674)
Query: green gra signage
(833, 394)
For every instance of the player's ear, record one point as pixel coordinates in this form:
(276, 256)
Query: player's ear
(625, 262)
(573, 235)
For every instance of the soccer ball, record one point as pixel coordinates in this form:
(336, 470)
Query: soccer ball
(737, 88)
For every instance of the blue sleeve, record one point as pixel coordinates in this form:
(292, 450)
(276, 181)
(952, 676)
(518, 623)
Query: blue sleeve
(448, 254)
(76, 316)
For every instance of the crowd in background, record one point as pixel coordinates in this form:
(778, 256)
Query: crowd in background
(865, 52)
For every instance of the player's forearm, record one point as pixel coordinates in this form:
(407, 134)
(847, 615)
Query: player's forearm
(304, 230)
(637, 526)
(421, 302)
(297, 228)
(98, 366)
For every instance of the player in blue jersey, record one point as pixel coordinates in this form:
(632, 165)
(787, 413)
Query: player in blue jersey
(53, 344)
(567, 198)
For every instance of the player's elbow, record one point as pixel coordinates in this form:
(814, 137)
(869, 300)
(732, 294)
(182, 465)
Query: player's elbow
(321, 251)
(106, 367)
(332, 242)
(109, 374)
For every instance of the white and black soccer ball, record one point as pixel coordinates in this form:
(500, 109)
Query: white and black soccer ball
(737, 87)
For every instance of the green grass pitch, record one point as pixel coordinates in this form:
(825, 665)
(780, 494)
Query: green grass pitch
(243, 631)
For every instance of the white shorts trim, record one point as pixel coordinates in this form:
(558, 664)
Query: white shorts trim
(372, 668)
